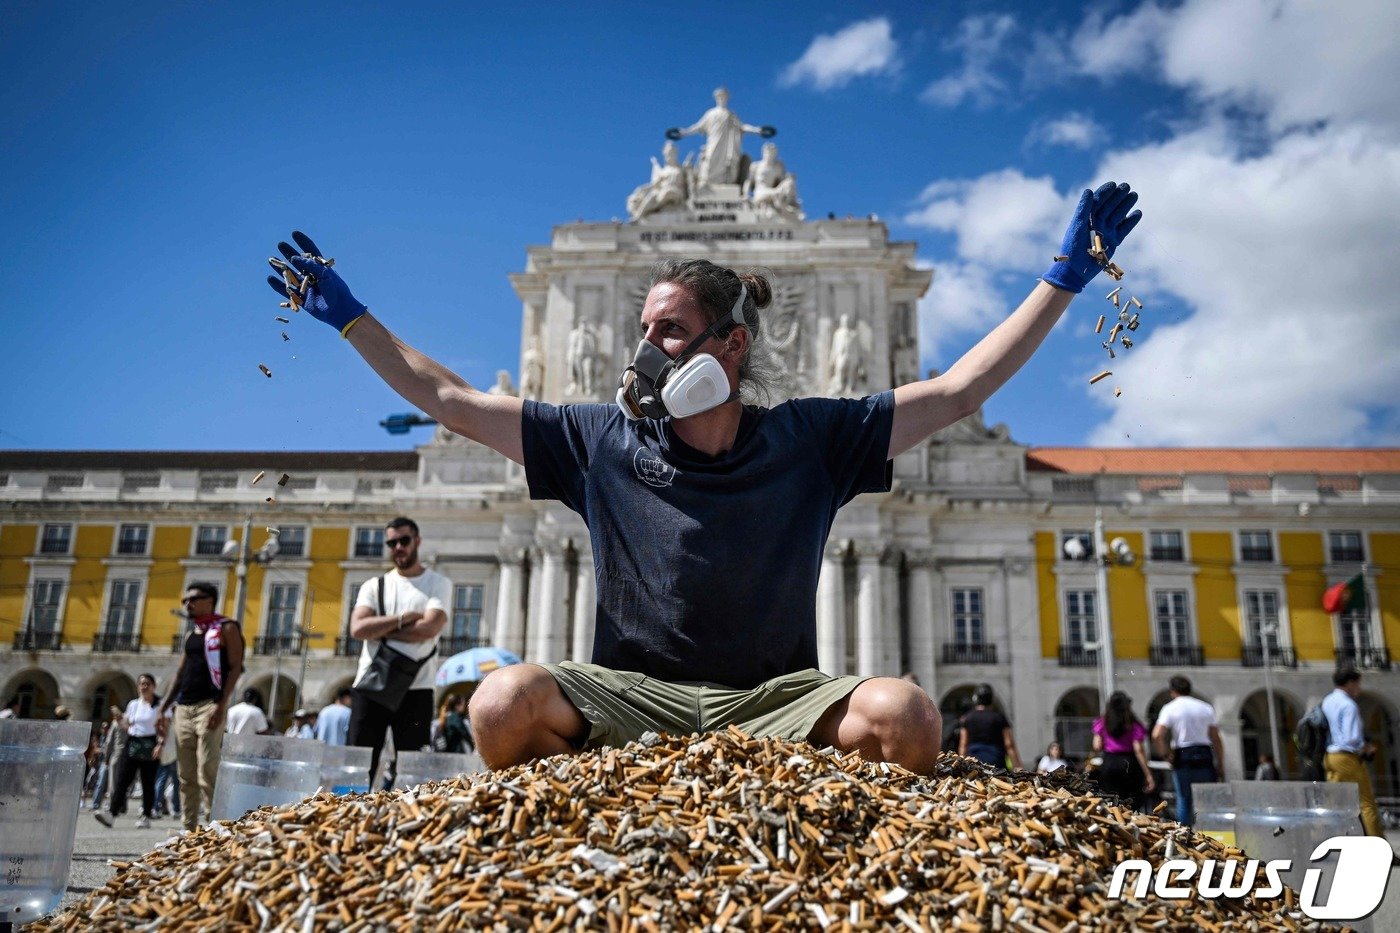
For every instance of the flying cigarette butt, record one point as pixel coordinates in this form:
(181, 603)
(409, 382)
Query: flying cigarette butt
(1111, 354)
(1103, 375)
(1115, 301)
(284, 336)
(1117, 391)
(327, 261)
(1113, 270)
(272, 500)
(283, 320)
(1127, 342)
(1113, 334)
(265, 371)
(1134, 301)
(1114, 294)
(283, 304)
(1098, 328)
(1133, 322)
(1061, 259)
(284, 479)
(261, 474)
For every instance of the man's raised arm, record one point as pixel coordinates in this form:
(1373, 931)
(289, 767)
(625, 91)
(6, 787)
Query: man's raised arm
(921, 408)
(493, 420)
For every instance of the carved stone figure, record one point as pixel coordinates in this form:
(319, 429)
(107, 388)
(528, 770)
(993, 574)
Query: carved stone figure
(582, 357)
(724, 142)
(669, 185)
(532, 371)
(847, 358)
(770, 187)
(503, 385)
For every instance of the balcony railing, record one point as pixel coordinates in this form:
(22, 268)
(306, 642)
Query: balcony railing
(1078, 656)
(277, 644)
(347, 647)
(969, 654)
(1253, 656)
(38, 641)
(1181, 655)
(451, 644)
(1376, 659)
(116, 641)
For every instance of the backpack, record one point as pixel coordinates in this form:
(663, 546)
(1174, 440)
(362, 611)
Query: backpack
(1312, 734)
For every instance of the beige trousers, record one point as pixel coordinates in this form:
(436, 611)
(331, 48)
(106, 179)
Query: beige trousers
(1344, 766)
(198, 750)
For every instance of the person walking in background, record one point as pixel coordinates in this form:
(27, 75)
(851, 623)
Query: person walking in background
(113, 749)
(92, 762)
(209, 669)
(1186, 734)
(247, 717)
(11, 710)
(333, 722)
(1266, 770)
(1053, 760)
(1347, 748)
(168, 774)
(1121, 739)
(986, 733)
(145, 728)
(303, 725)
(456, 738)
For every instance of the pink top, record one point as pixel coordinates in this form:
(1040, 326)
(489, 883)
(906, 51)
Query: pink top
(1119, 745)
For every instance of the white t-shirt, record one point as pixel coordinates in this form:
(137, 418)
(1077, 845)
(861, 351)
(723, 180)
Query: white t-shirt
(1189, 721)
(429, 590)
(245, 718)
(1050, 765)
(141, 718)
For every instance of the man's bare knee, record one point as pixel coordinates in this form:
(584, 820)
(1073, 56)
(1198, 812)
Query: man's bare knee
(899, 720)
(519, 713)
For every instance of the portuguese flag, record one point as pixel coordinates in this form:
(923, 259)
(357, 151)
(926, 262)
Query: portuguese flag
(1344, 596)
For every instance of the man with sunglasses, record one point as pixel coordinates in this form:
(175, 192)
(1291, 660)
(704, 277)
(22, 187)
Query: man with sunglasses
(209, 669)
(707, 517)
(404, 611)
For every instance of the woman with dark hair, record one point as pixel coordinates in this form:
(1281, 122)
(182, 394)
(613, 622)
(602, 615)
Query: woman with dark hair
(1121, 740)
(986, 733)
(145, 729)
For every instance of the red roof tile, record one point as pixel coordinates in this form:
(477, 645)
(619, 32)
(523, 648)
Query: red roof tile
(1257, 460)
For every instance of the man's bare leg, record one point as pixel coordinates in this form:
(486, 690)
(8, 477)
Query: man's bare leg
(519, 714)
(885, 719)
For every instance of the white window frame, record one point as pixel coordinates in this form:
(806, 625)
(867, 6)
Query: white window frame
(1362, 625)
(982, 614)
(1361, 538)
(305, 541)
(355, 530)
(194, 540)
(117, 539)
(265, 622)
(68, 547)
(1066, 641)
(1189, 606)
(1273, 546)
(104, 621)
(1247, 629)
(1185, 545)
(482, 627)
(48, 575)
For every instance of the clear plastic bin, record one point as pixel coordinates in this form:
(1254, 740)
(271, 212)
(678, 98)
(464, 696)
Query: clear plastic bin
(1215, 812)
(345, 769)
(264, 770)
(1288, 819)
(41, 783)
(417, 767)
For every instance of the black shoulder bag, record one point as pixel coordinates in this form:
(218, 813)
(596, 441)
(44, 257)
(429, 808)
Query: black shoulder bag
(390, 673)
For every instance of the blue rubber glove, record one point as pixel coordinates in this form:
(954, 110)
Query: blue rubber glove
(328, 299)
(1104, 211)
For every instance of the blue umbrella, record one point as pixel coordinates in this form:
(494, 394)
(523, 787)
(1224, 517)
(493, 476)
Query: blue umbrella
(472, 665)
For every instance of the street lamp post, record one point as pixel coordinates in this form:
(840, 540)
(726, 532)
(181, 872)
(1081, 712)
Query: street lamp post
(243, 551)
(1266, 632)
(1115, 551)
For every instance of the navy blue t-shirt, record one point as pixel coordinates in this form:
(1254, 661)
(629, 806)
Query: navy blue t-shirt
(707, 567)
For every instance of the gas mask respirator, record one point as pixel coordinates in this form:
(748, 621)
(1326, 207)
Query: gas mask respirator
(655, 385)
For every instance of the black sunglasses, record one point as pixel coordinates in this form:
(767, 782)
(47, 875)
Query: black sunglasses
(405, 541)
(195, 599)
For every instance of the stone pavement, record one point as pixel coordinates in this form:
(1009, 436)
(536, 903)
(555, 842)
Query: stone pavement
(95, 844)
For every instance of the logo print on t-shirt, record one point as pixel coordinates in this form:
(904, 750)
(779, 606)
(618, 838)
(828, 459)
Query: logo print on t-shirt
(651, 469)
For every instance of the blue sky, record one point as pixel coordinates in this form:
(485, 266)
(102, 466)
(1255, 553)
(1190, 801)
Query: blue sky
(151, 155)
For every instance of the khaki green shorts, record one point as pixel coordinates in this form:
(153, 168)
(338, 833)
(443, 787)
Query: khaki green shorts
(622, 705)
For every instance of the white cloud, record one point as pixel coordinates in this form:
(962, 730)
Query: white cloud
(1270, 317)
(1298, 62)
(1076, 130)
(861, 49)
(979, 39)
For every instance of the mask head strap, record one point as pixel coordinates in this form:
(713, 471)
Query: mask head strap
(735, 316)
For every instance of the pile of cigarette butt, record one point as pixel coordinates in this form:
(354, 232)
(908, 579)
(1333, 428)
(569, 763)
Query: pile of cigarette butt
(1127, 319)
(713, 832)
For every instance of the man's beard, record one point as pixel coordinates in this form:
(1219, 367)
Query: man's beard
(404, 560)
